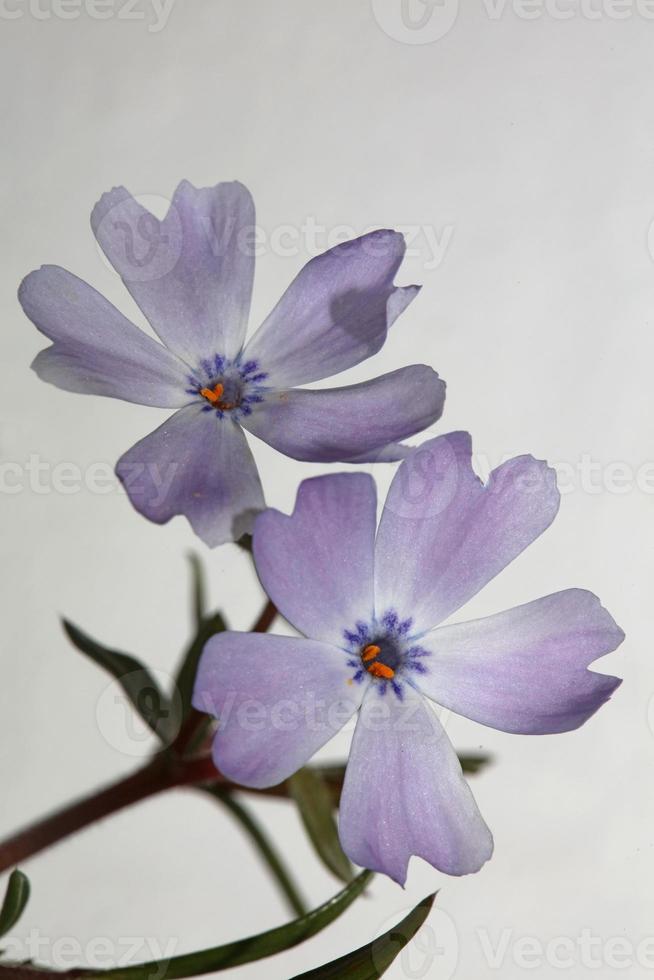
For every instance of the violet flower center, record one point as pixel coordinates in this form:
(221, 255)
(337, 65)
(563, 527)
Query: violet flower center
(385, 651)
(228, 388)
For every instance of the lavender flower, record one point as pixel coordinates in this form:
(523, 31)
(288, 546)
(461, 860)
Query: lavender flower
(369, 600)
(191, 275)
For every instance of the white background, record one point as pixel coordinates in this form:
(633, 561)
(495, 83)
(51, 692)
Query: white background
(532, 141)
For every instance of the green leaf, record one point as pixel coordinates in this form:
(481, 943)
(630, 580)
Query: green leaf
(316, 805)
(135, 679)
(372, 961)
(264, 845)
(198, 590)
(185, 679)
(16, 898)
(474, 762)
(244, 950)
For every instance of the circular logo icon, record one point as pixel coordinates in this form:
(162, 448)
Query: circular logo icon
(133, 241)
(426, 481)
(416, 21)
(120, 717)
(433, 951)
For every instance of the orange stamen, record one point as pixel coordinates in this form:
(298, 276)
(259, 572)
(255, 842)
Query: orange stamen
(381, 670)
(213, 395)
(370, 652)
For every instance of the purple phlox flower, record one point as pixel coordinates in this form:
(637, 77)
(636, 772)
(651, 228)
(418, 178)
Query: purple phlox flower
(371, 602)
(191, 274)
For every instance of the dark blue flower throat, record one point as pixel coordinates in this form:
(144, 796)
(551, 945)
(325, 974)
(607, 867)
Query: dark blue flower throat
(228, 388)
(385, 651)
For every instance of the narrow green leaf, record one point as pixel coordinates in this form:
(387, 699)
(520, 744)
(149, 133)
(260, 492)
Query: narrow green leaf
(265, 847)
(16, 898)
(135, 679)
(189, 666)
(473, 762)
(198, 590)
(244, 950)
(373, 959)
(316, 805)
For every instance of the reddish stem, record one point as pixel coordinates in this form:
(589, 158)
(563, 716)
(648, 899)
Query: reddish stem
(266, 618)
(160, 774)
(165, 771)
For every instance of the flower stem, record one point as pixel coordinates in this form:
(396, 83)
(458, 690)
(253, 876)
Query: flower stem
(165, 771)
(265, 847)
(161, 773)
(266, 618)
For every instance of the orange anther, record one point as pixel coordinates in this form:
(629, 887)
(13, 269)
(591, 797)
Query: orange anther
(381, 670)
(213, 395)
(370, 652)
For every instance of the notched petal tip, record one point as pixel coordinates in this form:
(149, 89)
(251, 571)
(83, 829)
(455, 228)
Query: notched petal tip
(614, 636)
(30, 281)
(341, 483)
(542, 464)
(398, 301)
(335, 482)
(106, 202)
(224, 194)
(185, 185)
(194, 467)
(459, 867)
(531, 477)
(605, 619)
(24, 286)
(382, 243)
(459, 443)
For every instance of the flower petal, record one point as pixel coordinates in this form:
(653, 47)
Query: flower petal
(196, 465)
(525, 670)
(335, 313)
(96, 350)
(404, 793)
(278, 699)
(392, 453)
(359, 420)
(317, 564)
(191, 274)
(448, 533)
